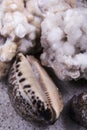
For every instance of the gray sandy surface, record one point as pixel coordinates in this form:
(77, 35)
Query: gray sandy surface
(10, 120)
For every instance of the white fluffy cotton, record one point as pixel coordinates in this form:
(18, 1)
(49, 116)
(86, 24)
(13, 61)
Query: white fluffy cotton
(20, 20)
(64, 40)
(63, 32)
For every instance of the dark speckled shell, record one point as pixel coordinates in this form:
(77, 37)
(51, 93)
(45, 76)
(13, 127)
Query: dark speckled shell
(78, 109)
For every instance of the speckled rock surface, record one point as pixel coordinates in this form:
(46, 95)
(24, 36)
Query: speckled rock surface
(10, 120)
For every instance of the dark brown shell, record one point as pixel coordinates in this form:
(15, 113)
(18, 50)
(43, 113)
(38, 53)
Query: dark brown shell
(78, 109)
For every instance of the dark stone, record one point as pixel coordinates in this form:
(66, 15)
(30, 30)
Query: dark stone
(78, 109)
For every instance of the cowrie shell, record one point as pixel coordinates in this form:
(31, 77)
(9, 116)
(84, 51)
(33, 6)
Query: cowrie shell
(32, 92)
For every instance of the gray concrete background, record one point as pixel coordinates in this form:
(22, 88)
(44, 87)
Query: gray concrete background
(10, 120)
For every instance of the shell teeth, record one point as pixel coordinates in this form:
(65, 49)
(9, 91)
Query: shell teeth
(32, 92)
